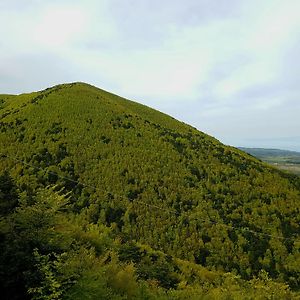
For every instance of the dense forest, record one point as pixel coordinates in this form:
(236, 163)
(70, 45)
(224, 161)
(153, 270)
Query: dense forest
(104, 198)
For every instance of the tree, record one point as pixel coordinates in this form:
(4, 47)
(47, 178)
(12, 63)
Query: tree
(8, 194)
(30, 226)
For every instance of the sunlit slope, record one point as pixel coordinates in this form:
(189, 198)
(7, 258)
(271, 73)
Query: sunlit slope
(154, 179)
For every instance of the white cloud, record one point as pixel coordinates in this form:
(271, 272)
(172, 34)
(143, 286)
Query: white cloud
(255, 73)
(59, 26)
(276, 24)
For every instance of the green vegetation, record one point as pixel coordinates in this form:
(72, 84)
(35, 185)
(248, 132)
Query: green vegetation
(104, 198)
(282, 159)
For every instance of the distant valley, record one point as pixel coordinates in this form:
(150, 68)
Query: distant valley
(282, 159)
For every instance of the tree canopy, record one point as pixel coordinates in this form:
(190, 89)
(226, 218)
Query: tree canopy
(100, 195)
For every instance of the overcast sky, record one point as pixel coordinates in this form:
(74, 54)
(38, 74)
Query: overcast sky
(231, 68)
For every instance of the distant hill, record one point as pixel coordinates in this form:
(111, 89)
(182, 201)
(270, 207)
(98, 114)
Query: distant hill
(283, 159)
(172, 198)
(263, 152)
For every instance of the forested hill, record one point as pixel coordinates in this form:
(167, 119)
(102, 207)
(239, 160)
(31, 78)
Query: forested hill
(147, 195)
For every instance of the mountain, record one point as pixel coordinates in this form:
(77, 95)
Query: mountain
(177, 208)
(283, 159)
(263, 152)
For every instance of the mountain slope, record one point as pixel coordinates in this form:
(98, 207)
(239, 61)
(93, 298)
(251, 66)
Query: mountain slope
(154, 180)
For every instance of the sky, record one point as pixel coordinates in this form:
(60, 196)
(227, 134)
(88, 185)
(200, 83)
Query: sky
(230, 68)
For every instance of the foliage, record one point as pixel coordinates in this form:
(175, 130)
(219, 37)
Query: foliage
(108, 198)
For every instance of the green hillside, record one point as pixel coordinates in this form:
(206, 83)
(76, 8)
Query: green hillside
(115, 200)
